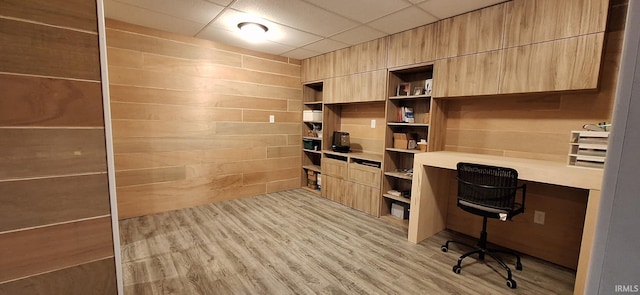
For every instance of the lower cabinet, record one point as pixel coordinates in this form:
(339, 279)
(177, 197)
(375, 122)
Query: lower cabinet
(353, 182)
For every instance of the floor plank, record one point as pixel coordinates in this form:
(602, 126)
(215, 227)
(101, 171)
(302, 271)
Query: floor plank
(294, 242)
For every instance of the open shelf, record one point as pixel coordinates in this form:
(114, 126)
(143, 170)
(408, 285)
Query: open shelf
(315, 168)
(399, 175)
(408, 124)
(394, 220)
(397, 198)
(315, 191)
(423, 96)
(312, 151)
(311, 103)
(404, 151)
(312, 138)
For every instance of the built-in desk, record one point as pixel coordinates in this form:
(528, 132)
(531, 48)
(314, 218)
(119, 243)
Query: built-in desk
(429, 193)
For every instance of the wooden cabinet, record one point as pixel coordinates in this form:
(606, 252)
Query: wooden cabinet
(475, 74)
(534, 21)
(413, 46)
(473, 32)
(352, 179)
(361, 87)
(317, 68)
(364, 57)
(566, 64)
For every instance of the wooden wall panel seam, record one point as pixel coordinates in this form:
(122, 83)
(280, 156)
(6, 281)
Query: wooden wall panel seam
(49, 77)
(53, 176)
(56, 269)
(557, 39)
(54, 224)
(48, 25)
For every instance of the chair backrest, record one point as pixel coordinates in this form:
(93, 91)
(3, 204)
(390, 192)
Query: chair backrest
(489, 186)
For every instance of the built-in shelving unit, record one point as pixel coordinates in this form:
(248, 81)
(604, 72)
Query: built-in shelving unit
(408, 119)
(312, 136)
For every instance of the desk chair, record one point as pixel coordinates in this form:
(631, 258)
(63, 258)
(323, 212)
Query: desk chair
(490, 192)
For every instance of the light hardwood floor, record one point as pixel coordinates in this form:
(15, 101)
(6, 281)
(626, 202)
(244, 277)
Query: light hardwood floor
(293, 242)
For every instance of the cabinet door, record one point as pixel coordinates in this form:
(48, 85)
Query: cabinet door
(475, 74)
(333, 188)
(534, 21)
(361, 87)
(413, 46)
(567, 64)
(317, 68)
(473, 32)
(335, 168)
(364, 198)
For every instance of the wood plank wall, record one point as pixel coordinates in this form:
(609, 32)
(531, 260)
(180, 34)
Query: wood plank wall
(55, 220)
(191, 120)
(537, 127)
(356, 119)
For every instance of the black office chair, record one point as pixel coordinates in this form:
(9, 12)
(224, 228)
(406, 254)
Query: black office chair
(490, 192)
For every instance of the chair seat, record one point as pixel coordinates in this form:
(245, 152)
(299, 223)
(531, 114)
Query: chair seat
(490, 211)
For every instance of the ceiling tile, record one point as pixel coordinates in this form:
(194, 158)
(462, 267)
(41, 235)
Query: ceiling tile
(194, 10)
(362, 10)
(300, 53)
(231, 38)
(230, 19)
(403, 20)
(142, 17)
(449, 8)
(325, 45)
(296, 14)
(220, 2)
(358, 35)
(416, 1)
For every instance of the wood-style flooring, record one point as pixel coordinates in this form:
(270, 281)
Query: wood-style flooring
(294, 242)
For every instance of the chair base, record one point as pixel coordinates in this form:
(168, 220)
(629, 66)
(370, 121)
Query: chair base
(482, 251)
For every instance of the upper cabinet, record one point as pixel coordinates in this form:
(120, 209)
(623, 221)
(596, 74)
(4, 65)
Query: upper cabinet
(413, 46)
(534, 21)
(473, 32)
(474, 74)
(317, 68)
(365, 57)
(566, 64)
(367, 86)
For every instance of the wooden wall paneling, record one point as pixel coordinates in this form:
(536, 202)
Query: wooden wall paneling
(36, 202)
(75, 14)
(459, 35)
(534, 21)
(35, 101)
(567, 64)
(90, 278)
(188, 101)
(54, 247)
(30, 48)
(161, 46)
(413, 46)
(356, 119)
(45, 152)
(475, 74)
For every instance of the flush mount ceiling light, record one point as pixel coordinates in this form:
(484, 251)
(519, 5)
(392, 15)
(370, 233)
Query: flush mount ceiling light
(253, 31)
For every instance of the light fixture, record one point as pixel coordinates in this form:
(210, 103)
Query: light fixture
(253, 31)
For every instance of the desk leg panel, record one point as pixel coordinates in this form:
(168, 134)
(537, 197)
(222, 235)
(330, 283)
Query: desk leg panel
(586, 245)
(429, 202)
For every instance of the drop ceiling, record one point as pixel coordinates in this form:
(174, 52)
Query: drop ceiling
(297, 28)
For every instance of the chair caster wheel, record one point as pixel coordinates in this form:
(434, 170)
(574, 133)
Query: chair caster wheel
(457, 269)
(518, 266)
(511, 284)
(444, 248)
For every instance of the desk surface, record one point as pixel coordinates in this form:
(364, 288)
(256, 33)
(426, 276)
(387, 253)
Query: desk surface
(528, 169)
